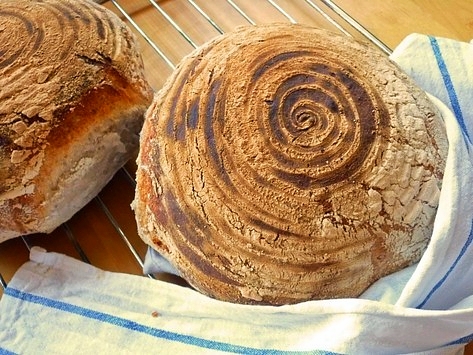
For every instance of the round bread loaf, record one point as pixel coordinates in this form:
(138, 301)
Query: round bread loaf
(72, 103)
(282, 163)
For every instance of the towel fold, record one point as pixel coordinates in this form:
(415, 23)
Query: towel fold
(56, 304)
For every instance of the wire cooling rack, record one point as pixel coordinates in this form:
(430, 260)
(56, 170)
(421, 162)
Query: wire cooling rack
(104, 232)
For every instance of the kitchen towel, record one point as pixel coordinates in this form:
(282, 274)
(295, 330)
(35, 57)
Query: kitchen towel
(56, 304)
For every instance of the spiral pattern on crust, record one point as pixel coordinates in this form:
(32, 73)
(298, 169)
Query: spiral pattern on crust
(261, 140)
(54, 30)
(52, 41)
(53, 53)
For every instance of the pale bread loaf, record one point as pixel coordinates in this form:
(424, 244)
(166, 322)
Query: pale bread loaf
(72, 100)
(282, 163)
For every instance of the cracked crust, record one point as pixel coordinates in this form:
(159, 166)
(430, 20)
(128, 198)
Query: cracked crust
(71, 108)
(281, 163)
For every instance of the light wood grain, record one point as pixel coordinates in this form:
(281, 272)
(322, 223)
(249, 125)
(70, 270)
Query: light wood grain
(392, 20)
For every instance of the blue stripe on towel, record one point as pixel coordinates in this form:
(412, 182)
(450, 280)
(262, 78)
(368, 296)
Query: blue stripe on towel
(155, 332)
(464, 340)
(5, 352)
(450, 270)
(447, 80)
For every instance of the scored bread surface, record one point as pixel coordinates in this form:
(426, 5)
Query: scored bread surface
(72, 101)
(282, 163)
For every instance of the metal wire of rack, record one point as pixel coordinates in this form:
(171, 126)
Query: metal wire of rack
(109, 204)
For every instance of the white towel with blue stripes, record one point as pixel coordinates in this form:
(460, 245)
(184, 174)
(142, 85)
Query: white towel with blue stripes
(58, 305)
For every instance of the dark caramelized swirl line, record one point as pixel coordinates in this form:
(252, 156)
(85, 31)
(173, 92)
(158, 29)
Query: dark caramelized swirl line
(203, 112)
(81, 18)
(53, 27)
(68, 30)
(305, 103)
(201, 118)
(181, 116)
(194, 228)
(36, 37)
(275, 173)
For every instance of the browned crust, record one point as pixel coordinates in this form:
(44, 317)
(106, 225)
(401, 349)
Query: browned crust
(258, 195)
(75, 123)
(72, 71)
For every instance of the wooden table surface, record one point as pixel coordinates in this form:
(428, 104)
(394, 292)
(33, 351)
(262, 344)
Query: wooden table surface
(104, 232)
